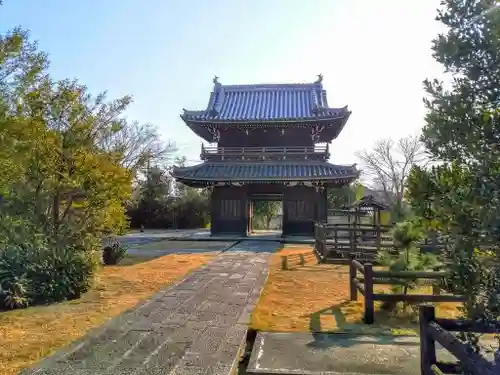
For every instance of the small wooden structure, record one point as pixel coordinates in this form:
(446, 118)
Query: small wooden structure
(368, 206)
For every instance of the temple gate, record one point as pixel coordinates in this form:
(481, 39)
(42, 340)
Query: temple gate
(267, 139)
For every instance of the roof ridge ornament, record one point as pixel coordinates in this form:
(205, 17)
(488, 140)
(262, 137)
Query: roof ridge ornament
(320, 78)
(216, 80)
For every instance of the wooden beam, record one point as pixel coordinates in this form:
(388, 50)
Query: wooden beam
(459, 325)
(359, 286)
(475, 363)
(416, 298)
(358, 266)
(411, 274)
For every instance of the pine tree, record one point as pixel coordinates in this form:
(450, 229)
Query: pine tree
(409, 257)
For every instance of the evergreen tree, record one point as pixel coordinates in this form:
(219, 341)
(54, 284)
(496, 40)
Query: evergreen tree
(462, 133)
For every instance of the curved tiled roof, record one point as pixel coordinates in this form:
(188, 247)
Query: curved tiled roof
(265, 171)
(267, 102)
(369, 201)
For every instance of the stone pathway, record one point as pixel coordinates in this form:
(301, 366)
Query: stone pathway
(204, 247)
(197, 326)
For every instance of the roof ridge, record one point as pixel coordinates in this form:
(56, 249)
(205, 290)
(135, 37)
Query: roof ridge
(269, 102)
(268, 86)
(274, 162)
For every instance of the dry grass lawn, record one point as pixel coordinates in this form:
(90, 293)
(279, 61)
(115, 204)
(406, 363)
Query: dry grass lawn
(315, 297)
(30, 334)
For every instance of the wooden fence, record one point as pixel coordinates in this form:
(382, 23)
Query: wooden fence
(438, 330)
(369, 277)
(335, 243)
(297, 259)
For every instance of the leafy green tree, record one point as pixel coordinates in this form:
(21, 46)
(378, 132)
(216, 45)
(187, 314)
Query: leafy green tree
(152, 203)
(69, 186)
(181, 190)
(67, 161)
(21, 68)
(161, 202)
(461, 133)
(21, 64)
(157, 187)
(341, 197)
(32, 270)
(265, 211)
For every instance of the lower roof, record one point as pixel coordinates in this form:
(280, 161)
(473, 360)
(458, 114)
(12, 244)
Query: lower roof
(266, 171)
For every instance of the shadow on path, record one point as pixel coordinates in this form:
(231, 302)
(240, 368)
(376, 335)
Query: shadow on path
(352, 333)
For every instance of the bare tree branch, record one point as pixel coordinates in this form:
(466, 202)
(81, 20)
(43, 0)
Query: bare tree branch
(137, 144)
(389, 163)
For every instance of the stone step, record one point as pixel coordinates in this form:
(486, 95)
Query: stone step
(336, 354)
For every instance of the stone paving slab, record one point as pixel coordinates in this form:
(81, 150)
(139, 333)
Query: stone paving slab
(197, 326)
(204, 235)
(211, 247)
(256, 246)
(335, 354)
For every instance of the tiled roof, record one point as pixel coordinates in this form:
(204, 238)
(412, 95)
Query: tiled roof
(369, 201)
(245, 171)
(267, 102)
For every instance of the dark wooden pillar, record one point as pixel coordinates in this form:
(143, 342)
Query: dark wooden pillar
(322, 204)
(250, 215)
(229, 211)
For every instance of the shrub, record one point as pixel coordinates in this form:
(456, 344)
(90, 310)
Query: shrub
(32, 271)
(36, 276)
(62, 274)
(112, 254)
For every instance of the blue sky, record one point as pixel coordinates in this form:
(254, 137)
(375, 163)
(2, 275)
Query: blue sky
(374, 55)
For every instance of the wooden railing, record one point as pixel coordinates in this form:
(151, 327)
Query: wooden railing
(317, 152)
(438, 330)
(368, 277)
(336, 243)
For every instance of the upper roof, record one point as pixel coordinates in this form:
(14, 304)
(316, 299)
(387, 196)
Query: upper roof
(302, 102)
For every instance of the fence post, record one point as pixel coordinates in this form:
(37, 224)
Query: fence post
(369, 307)
(436, 289)
(284, 262)
(352, 275)
(335, 234)
(379, 238)
(323, 240)
(427, 344)
(316, 238)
